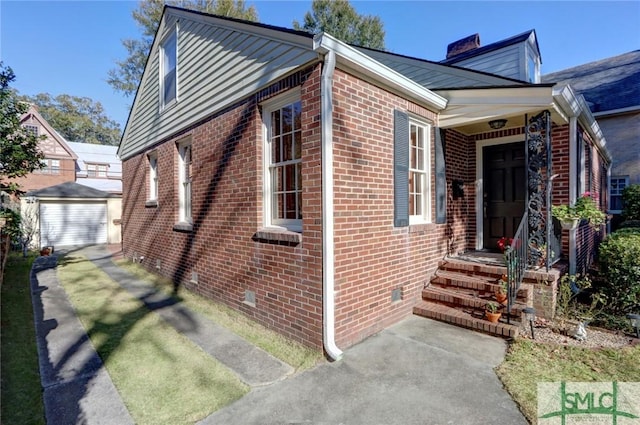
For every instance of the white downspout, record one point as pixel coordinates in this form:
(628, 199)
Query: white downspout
(574, 169)
(328, 266)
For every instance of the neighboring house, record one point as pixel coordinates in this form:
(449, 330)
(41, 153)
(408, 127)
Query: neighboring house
(611, 88)
(59, 158)
(317, 187)
(76, 199)
(98, 166)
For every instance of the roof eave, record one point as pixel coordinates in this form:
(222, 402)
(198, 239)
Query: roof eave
(354, 59)
(576, 106)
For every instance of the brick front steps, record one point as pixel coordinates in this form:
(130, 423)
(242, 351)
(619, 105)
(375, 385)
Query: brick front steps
(459, 291)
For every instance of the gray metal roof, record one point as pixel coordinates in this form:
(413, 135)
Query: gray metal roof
(607, 85)
(69, 190)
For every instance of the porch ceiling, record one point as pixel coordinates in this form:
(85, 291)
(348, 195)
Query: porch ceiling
(470, 110)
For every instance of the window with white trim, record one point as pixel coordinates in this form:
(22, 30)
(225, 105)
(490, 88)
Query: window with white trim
(618, 184)
(419, 173)
(168, 69)
(153, 176)
(97, 170)
(185, 169)
(283, 162)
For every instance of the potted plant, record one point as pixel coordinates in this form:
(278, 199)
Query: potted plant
(491, 312)
(504, 243)
(501, 291)
(584, 208)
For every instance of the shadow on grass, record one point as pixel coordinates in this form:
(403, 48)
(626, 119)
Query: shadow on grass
(68, 368)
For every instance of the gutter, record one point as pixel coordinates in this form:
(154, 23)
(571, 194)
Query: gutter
(328, 265)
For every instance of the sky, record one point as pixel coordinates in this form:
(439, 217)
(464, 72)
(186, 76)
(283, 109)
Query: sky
(68, 47)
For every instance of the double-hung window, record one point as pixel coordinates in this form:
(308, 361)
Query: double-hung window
(618, 184)
(168, 69)
(283, 163)
(153, 176)
(411, 170)
(184, 180)
(419, 173)
(97, 170)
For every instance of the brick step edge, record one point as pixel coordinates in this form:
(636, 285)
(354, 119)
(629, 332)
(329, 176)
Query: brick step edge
(456, 317)
(456, 299)
(488, 271)
(447, 278)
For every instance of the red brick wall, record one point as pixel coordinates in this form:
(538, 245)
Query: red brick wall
(227, 213)
(38, 180)
(373, 257)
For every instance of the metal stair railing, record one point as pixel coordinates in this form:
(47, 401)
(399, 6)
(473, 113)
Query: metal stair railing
(516, 257)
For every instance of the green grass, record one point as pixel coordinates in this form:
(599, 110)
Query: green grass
(161, 375)
(528, 363)
(21, 388)
(291, 352)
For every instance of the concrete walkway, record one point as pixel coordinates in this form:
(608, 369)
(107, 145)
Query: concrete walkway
(417, 372)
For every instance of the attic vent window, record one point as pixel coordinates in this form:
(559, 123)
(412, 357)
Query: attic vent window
(168, 69)
(32, 130)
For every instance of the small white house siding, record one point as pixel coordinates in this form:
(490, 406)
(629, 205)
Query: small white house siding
(219, 63)
(507, 62)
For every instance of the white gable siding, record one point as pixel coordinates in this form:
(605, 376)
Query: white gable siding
(218, 64)
(507, 62)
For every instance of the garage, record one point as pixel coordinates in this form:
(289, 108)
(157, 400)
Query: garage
(74, 214)
(73, 223)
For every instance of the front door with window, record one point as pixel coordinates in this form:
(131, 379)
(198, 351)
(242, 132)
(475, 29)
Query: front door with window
(504, 191)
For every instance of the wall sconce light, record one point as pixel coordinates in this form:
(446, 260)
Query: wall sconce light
(634, 319)
(497, 124)
(529, 315)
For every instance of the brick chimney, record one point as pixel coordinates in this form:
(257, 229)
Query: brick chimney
(463, 45)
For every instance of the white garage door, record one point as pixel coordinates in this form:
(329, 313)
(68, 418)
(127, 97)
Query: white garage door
(73, 223)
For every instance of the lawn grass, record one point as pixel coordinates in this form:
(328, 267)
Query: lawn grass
(297, 355)
(161, 375)
(19, 371)
(528, 363)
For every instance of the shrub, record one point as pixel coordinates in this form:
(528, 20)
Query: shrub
(631, 202)
(630, 224)
(620, 269)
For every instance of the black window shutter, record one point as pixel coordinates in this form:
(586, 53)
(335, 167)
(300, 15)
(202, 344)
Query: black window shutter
(401, 169)
(441, 178)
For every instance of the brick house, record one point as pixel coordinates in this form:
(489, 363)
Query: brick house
(611, 87)
(59, 158)
(76, 198)
(317, 187)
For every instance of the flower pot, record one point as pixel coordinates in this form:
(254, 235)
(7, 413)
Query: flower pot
(569, 224)
(492, 317)
(501, 297)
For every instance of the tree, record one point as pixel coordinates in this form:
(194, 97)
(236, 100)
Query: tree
(128, 73)
(340, 19)
(19, 147)
(77, 119)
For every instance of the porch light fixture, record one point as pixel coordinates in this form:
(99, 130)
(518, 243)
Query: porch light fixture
(634, 319)
(497, 124)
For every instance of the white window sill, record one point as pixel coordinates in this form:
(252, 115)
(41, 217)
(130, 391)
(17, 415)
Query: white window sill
(183, 227)
(277, 235)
